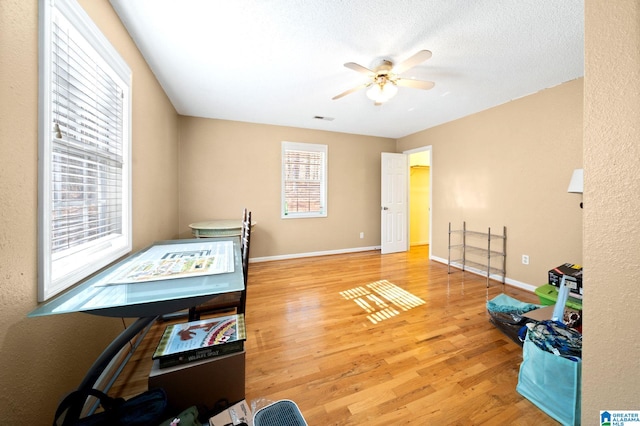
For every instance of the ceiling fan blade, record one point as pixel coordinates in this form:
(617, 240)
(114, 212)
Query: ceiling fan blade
(359, 68)
(416, 84)
(411, 62)
(354, 89)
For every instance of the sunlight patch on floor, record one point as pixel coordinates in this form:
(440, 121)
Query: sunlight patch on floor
(373, 299)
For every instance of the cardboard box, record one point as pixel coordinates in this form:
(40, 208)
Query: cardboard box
(573, 274)
(201, 382)
(540, 314)
(234, 415)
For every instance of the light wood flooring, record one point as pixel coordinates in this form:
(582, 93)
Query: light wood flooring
(309, 340)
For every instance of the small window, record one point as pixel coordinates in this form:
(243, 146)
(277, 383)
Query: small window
(304, 180)
(84, 177)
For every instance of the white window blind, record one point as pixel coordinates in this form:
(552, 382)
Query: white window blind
(304, 170)
(84, 149)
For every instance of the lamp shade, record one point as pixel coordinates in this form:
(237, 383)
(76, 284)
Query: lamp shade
(576, 183)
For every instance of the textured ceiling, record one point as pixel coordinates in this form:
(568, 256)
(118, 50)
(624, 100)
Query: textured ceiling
(281, 61)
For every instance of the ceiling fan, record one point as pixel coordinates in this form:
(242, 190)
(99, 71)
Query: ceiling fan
(385, 78)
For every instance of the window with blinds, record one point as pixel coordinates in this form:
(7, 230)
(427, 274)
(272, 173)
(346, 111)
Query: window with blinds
(304, 180)
(84, 174)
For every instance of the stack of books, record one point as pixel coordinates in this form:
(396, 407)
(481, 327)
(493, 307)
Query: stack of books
(197, 340)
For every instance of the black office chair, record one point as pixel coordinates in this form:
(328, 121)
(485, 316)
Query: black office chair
(245, 243)
(231, 301)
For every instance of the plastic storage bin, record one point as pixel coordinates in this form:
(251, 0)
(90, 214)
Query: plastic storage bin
(548, 295)
(506, 314)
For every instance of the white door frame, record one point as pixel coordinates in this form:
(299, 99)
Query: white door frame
(413, 151)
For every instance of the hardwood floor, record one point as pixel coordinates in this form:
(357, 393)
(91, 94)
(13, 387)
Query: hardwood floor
(309, 339)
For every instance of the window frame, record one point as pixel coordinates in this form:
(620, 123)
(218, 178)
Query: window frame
(88, 258)
(305, 147)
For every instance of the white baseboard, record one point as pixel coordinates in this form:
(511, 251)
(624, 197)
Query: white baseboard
(313, 254)
(511, 282)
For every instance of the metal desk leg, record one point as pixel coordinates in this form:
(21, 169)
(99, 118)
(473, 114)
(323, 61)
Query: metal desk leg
(105, 358)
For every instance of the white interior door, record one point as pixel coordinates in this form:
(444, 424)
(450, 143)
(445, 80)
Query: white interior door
(394, 209)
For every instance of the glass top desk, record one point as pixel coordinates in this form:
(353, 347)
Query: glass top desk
(116, 292)
(198, 271)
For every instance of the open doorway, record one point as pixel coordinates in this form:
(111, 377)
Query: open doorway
(420, 197)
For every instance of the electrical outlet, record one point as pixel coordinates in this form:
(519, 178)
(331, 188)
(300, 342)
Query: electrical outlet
(525, 259)
(362, 235)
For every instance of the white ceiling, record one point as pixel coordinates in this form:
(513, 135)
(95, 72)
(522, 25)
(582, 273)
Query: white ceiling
(281, 61)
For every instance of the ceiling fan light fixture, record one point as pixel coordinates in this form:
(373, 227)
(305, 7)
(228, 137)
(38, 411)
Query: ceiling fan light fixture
(383, 81)
(382, 92)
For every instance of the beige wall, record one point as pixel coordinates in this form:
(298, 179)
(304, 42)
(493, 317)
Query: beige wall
(611, 377)
(227, 165)
(43, 358)
(510, 166)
